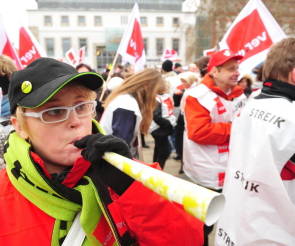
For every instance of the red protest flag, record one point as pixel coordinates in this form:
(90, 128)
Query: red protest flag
(29, 50)
(6, 47)
(252, 40)
(72, 57)
(170, 54)
(135, 45)
(251, 34)
(131, 47)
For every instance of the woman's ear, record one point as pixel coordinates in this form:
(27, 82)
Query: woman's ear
(18, 128)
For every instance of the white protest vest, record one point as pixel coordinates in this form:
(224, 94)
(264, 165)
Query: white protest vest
(205, 164)
(259, 208)
(128, 102)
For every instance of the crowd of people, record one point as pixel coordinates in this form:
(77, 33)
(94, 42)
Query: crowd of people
(228, 134)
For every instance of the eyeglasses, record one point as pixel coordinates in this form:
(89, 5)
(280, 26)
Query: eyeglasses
(59, 114)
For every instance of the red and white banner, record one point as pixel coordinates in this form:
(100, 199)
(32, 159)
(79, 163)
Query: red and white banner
(72, 57)
(29, 48)
(14, 21)
(131, 47)
(6, 48)
(170, 54)
(251, 35)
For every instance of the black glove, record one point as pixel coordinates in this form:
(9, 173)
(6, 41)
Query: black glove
(94, 146)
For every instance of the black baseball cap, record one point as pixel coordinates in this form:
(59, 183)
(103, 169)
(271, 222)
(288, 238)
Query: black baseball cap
(42, 79)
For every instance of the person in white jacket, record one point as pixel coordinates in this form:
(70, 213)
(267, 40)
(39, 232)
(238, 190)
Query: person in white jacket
(129, 108)
(260, 179)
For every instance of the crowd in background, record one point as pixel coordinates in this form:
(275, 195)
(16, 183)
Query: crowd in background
(191, 111)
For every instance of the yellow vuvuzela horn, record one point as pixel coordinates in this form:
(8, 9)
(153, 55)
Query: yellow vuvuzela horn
(200, 202)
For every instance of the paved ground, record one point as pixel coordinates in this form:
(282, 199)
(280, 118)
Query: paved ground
(172, 167)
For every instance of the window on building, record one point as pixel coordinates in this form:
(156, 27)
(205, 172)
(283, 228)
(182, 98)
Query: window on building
(97, 21)
(124, 20)
(175, 44)
(83, 42)
(146, 45)
(103, 57)
(143, 21)
(175, 21)
(66, 45)
(64, 21)
(159, 21)
(81, 20)
(47, 20)
(49, 46)
(159, 46)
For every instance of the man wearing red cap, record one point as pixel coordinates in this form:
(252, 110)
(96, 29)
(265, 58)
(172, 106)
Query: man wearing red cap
(209, 109)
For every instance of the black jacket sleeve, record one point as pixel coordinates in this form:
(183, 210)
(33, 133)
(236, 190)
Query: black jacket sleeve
(157, 117)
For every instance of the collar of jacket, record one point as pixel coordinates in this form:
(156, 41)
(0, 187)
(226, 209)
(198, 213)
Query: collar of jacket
(279, 88)
(70, 176)
(57, 200)
(210, 83)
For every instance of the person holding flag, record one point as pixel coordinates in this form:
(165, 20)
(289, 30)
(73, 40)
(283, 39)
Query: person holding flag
(260, 178)
(209, 109)
(56, 186)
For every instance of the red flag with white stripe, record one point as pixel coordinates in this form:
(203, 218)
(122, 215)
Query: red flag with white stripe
(6, 48)
(131, 47)
(251, 34)
(72, 57)
(29, 49)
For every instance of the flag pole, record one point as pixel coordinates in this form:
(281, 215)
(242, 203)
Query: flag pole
(109, 76)
(124, 42)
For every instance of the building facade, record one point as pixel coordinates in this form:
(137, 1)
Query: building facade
(99, 25)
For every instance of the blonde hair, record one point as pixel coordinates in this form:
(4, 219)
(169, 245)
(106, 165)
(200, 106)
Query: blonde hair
(280, 60)
(143, 86)
(7, 66)
(189, 77)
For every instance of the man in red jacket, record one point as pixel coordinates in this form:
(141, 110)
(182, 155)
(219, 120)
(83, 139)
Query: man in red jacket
(208, 112)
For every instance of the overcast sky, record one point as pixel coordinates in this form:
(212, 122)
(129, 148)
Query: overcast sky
(13, 14)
